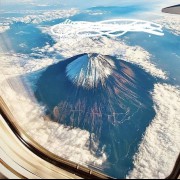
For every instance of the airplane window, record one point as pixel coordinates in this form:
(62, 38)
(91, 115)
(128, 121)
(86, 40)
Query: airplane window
(96, 83)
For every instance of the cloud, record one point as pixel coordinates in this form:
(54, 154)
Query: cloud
(4, 28)
(19, 64)
(70, 47)
(110, 28)
(71, 144)
(160, 146)
(171, 22)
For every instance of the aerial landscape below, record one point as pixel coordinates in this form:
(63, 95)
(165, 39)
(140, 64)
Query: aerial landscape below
(96, 83)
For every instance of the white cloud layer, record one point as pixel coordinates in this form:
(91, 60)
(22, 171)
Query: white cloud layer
(160, 147)
(19, 64)
(157, 152)
(71, 144)
(69, 47)
(171, 22)
(4, 28)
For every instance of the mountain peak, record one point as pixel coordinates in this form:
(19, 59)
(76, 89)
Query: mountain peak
(89, 70)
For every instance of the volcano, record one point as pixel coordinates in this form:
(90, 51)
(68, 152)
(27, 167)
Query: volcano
(107, 96)
(90, 70)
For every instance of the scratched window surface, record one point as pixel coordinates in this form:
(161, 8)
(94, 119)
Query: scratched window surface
(95, 82)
